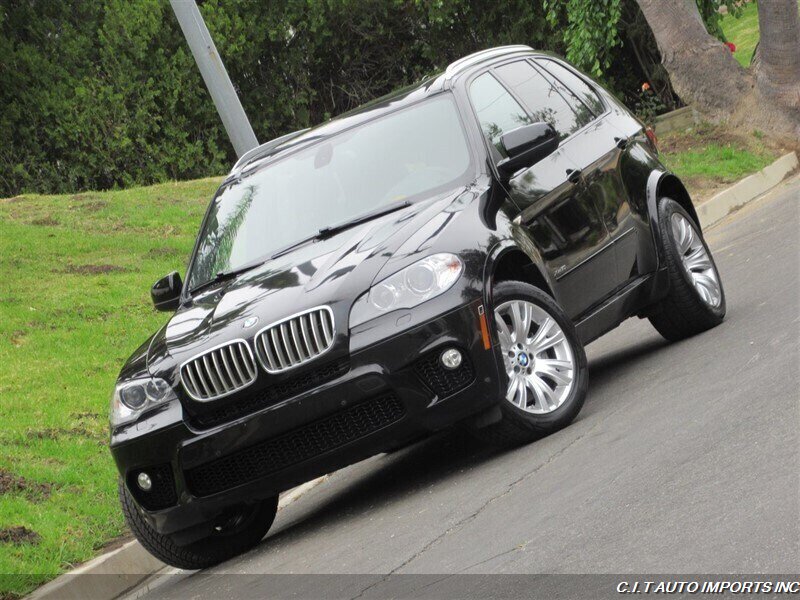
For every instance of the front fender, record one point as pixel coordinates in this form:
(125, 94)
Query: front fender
(516, 247)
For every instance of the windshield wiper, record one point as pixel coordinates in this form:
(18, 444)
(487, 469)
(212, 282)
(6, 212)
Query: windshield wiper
(321, 234)
(373, 214)
(225, 275)
(332, 229)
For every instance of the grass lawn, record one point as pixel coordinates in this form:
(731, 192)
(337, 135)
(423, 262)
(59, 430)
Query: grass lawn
(74, 303)
(743, 32)
(708, 158)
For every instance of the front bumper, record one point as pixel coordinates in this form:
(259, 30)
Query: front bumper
(391, 394)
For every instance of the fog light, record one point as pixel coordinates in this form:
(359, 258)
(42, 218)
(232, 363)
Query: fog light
(451, 358)
(144, 481)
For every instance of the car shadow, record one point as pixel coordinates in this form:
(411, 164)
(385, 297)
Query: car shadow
(431, 461)
(428, 462)
(608, 365)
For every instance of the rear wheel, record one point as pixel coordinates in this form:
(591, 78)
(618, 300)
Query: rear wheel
(233, 533)
(544, 363)
(696, 301)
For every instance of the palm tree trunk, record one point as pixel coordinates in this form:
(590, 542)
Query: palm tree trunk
(704, 73)
(778, 70)
(702, 70)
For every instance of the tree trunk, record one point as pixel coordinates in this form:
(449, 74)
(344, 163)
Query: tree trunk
(778, 68)
(702, 70)
(705, 74)
(691, 6)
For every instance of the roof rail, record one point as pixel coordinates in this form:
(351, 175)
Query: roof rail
(258, 151)
(472, 59)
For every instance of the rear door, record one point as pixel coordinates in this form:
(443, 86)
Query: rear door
(598, 147)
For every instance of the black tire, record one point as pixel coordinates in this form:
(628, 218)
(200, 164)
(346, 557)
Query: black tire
(683, 313)
(208, 551)
(516, 426)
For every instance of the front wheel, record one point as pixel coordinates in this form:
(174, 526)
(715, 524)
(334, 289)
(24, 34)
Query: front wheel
(696, 300)
(544, 363)
(233, 533)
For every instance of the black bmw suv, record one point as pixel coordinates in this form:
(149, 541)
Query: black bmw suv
(439, 256)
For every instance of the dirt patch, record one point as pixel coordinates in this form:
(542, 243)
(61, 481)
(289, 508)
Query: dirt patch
(702, 189)
(94, 206)
(19, 535)
(159, 252)
(84, 196)
(700, 136)
(17, 338)
(93, 269)
(54, 433)
(85, 415)
(34, 491)
(45, 222)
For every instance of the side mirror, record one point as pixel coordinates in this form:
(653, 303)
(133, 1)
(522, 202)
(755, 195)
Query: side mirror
(526, 146)
(166, 292)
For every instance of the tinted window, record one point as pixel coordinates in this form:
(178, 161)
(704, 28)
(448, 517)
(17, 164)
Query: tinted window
(576, 85)
(497, 110)
(547, 103)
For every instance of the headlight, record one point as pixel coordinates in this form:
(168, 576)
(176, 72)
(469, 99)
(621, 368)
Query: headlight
(133, 397)
(415, 284)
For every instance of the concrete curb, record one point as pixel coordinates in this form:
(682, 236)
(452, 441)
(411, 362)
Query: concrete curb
(677, 120)
(125, 568)
(749, 188)
(119, 571)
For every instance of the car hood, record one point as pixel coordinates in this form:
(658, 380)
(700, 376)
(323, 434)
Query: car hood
(333, 271)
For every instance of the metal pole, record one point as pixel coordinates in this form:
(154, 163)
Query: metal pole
(215, 76)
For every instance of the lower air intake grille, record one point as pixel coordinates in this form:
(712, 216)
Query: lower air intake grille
(161, 495)
(442, 381)
(230, 409)
(270, 456)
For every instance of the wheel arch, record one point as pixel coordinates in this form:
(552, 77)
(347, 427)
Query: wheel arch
(664, 183)
(660, 184)
(508, 262)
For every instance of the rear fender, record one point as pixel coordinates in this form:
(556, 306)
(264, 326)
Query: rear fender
(665, 184)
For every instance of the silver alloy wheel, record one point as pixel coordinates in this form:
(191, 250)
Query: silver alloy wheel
(696, 260)
(537, 357)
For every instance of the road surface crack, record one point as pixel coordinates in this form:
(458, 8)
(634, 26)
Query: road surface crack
(476, 513)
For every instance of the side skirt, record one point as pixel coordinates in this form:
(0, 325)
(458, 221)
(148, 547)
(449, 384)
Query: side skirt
(631, 300)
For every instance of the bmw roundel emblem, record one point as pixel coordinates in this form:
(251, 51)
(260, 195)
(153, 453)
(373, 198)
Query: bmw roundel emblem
(249, 322)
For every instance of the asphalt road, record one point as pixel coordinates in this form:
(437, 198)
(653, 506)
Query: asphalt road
(685, 458)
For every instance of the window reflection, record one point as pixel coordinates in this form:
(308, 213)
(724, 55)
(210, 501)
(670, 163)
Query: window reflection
(408, 154)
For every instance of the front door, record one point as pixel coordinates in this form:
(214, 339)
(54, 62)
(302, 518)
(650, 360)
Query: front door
(555, 207)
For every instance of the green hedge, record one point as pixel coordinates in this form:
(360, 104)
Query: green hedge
(105, 93)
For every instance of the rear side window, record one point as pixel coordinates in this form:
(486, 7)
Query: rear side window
(497, 110)
(575, 84)
(544, 100)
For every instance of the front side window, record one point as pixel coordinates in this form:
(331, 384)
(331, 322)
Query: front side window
(409, 154)
(546, 103)
(497, 110)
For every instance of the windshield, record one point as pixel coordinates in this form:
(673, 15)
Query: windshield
(417, 151)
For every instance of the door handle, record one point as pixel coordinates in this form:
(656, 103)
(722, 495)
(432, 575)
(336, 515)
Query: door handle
(622, 143)
(574, 175)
